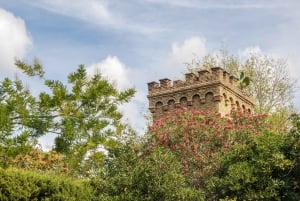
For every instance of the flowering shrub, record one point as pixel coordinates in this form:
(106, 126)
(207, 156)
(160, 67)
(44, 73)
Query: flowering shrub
(39, 160)
(31, 158)
(197, 138)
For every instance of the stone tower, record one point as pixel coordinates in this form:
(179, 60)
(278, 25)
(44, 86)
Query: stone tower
(215, 91)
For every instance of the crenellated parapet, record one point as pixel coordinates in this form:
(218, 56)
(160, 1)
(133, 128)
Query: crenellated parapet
(216, 74)
(213, 89)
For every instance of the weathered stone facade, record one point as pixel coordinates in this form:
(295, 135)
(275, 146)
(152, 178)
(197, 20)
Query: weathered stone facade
(215, 91)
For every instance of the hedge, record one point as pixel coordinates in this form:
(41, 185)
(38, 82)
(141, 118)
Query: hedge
(17, 184)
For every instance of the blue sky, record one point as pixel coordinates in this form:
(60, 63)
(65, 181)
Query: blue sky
(137, 41)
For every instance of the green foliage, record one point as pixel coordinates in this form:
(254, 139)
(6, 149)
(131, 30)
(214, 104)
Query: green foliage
(18, 113)
(10, 151)
(258, 171)
(35, 70)
(243, 81)
(29, 186)
(232, 158)
(133, 175)
(187, 155)
(83, 114)
(279, 120)
(291, 150)
(159, 177)
(267, 168)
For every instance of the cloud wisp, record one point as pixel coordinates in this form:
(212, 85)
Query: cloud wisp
(96, 11)
(206, 5)
(101, 13)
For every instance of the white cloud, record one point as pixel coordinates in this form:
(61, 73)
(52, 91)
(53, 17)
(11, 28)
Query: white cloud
(189, 49)
(118, 74)
(181, 53)
(14, 39)
(113, 70)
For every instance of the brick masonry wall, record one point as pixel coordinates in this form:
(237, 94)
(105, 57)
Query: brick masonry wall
(214, 91)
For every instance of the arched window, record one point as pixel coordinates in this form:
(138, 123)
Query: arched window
(244, 108)
(171, 104)
(225, 99)
(209, 97)
(196, 101)
(232, 105)
(237, 104)
(159, 107)
(183, 102)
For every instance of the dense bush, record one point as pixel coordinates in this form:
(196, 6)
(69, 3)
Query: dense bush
(236, 157)
(16, 184)
(131, 175)
(187, 155)
(198, 138)
(259, 171)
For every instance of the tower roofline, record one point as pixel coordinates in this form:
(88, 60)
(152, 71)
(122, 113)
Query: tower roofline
(215, 81)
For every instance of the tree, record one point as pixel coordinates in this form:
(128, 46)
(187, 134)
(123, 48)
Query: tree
(270, 84)
(267, 168)
(83, 114)
(133, 174)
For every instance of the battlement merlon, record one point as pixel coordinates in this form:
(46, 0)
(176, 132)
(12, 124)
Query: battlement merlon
(218, 73)
(165, 83)
(152, 86)
(204, 76)
(191, 78)
(208, 90)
